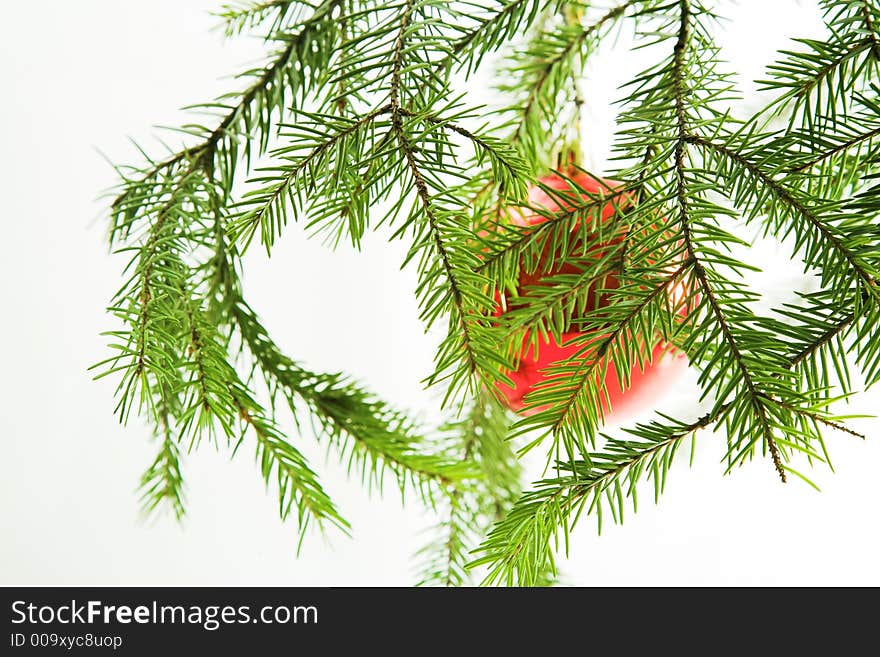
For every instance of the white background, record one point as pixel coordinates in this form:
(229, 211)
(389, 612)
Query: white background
(82, 76)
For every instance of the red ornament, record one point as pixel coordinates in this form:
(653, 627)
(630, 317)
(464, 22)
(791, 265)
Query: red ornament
(645, 384)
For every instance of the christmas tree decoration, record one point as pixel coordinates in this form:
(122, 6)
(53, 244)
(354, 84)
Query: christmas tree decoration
(659, 366)
(567, 296)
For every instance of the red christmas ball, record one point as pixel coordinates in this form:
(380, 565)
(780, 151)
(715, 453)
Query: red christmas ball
(645, 384)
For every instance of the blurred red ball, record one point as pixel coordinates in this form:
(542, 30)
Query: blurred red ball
(647, 384)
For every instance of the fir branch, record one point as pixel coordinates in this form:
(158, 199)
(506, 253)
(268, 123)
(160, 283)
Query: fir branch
(509, 169)
(526, 535)
(203, 400)
(440, 248)
(244, 16)
(678, 72)
(148, 351)
(364, 429)
(550, 64)
(785, 196)
(539, 75)
(155, 168)
(219, 397)
(827, 64)
(478, 437)
(832, 66)
(424, 196)
(148, 257)
(265, 208)
(163, 481)
(706, 288)
(570, 402)
(587, 374)
(492, 32)
(838, 149)
(382, 131)
(795, 361)
(509, 243)
(205, 153)
(447, 567)
(552, 306)
(820, 419)
(830, 334)
(297, 484)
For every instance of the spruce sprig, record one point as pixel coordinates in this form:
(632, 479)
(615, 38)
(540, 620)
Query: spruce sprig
(354, 124)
